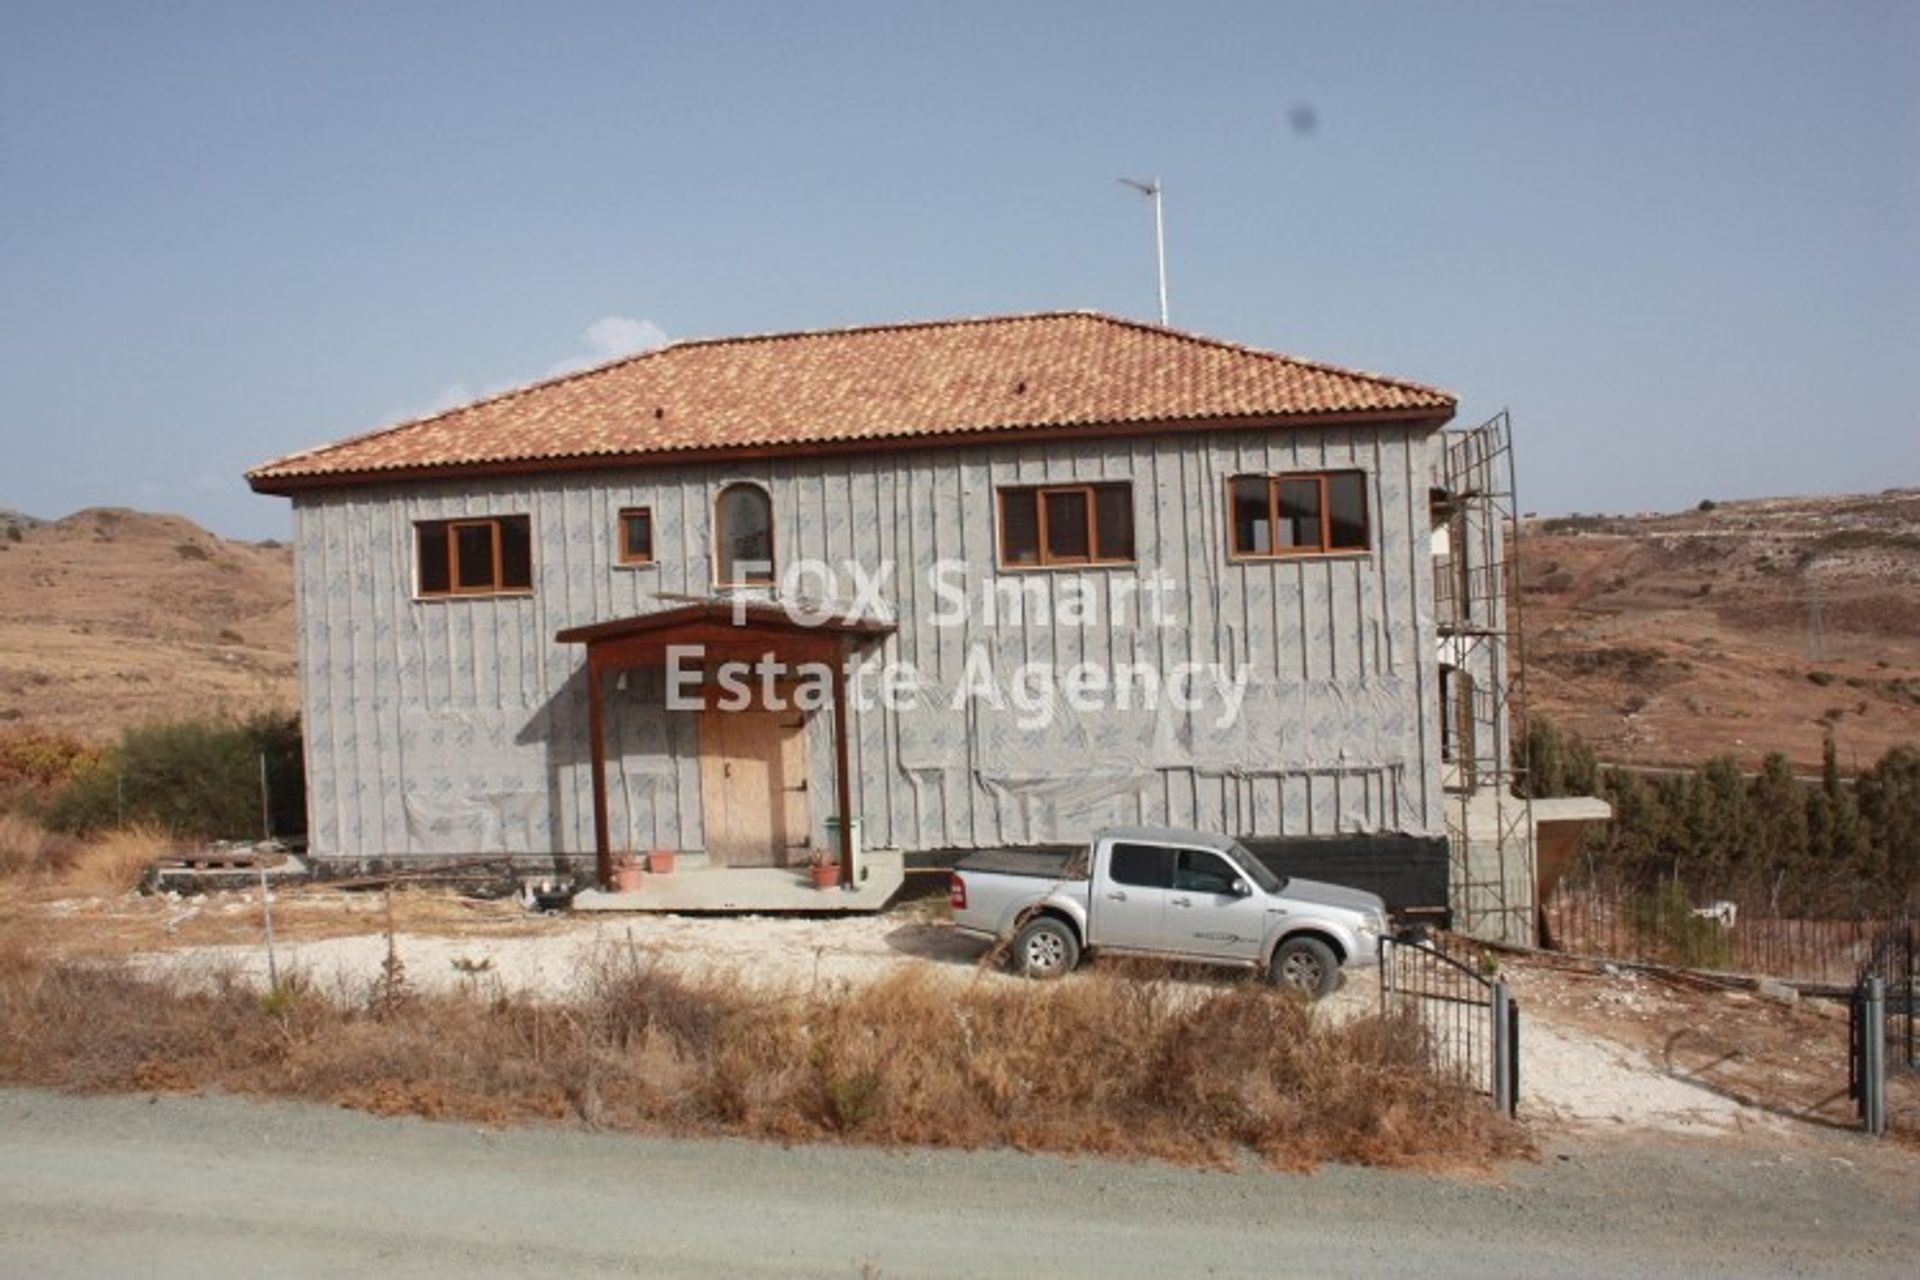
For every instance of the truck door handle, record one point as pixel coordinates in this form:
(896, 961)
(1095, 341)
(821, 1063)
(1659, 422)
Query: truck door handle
(1117, 896)
(1183, 902)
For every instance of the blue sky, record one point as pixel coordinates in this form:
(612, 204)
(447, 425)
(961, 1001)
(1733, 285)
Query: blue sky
(1681, 241)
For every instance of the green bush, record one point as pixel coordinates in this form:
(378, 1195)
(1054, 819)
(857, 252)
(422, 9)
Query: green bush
(1667, 927)
(1798, 848)
(194, 779)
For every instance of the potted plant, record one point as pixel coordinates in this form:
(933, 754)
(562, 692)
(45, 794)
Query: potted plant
(660, 861)
(626, 873)
(824, 867)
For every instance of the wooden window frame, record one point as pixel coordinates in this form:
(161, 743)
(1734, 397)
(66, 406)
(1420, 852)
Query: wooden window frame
(1092, 560)
(627, 557)
(773, 537)
(1325, 549)
(452, 527)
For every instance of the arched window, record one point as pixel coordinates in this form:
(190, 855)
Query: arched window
(743, 536)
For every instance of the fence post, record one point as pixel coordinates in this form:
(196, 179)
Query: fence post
(266, 919)
(1502, 1051)
(1911, 991)
(1873, 1056)
(1513, 1057)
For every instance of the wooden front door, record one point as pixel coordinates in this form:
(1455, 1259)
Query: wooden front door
(753, 787)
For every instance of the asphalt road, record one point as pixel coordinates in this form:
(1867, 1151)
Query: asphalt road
(214, 1186)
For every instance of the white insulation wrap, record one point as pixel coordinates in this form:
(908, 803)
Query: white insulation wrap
(454, 726)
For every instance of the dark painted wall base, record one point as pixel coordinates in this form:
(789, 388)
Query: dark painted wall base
(1408, 872)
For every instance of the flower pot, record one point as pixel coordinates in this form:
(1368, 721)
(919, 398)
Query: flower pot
(825, 877)
(660, 862)
(626, 877)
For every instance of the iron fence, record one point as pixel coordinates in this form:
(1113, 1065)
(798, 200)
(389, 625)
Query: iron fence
(1662, 926)
(1470, 1021)
(1880, 1030)
(1897, 966)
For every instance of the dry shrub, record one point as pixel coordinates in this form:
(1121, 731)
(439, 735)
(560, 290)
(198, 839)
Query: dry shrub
(1100, 1063)
(114, 862)
(27, 848)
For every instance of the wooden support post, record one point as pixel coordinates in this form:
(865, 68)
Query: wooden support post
(843, 768)
(597, 742)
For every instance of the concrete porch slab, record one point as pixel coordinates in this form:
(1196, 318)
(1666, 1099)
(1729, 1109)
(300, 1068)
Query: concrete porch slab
(757, 889)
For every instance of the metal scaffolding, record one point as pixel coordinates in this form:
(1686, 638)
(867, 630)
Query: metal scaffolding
(1477, 605)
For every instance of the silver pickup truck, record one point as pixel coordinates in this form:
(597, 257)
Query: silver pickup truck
(1165, 892)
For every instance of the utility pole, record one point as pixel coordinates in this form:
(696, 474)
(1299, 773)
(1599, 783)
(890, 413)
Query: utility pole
(1153, 191)
(1816, 623)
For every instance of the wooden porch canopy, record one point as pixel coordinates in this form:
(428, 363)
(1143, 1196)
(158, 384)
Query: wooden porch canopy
(723, 631)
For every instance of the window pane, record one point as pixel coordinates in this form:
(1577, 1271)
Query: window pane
(1300, 513)
(1067, 525)
(1347, 509)
(434, 579)
(473, 554)
(1019, 526)
(516, 553)
(1113, 521)
(1202, 872)
(1252, 532)
(1148, 866)
(745, 517)
(636, 536)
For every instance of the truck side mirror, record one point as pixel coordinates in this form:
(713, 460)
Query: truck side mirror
(1241, 889)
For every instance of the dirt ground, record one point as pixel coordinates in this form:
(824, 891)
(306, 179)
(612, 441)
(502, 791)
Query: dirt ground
(110, 618)
(1601, 1050)
(1753, 626)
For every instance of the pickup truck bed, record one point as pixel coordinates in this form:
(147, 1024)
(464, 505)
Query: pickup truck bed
(1041, 864)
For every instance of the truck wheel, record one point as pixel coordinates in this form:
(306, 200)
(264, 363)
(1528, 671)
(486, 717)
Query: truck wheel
(1044, 948)
(1306, 965)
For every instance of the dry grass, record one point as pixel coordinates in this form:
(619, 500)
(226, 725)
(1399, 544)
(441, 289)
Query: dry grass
(28, 849)
(114, 861)
(111, 863)
(42, 871)
(1097, 1064)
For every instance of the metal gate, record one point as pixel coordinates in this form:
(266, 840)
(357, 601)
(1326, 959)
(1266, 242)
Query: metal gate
(1471, 1023)
(1881, 1039)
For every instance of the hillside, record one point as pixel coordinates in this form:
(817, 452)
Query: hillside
(15, 523)
(110, 617)
(1664, 639)
(1748, 627)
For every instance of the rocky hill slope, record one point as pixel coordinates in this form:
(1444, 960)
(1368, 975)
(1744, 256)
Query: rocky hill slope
(1741, 627)
(111, 617)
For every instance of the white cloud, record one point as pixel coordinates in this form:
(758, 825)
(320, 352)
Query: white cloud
(609, 338)
(451, 397)
(623, 335)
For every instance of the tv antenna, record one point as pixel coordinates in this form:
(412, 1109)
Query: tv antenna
(1153, 191)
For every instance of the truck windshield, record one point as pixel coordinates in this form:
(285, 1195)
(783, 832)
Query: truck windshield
(1268, 882)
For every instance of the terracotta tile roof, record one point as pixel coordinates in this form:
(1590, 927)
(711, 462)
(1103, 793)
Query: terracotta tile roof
(791, 392)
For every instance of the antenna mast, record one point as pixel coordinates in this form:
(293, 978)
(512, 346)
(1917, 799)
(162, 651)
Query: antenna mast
(1153, 191)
